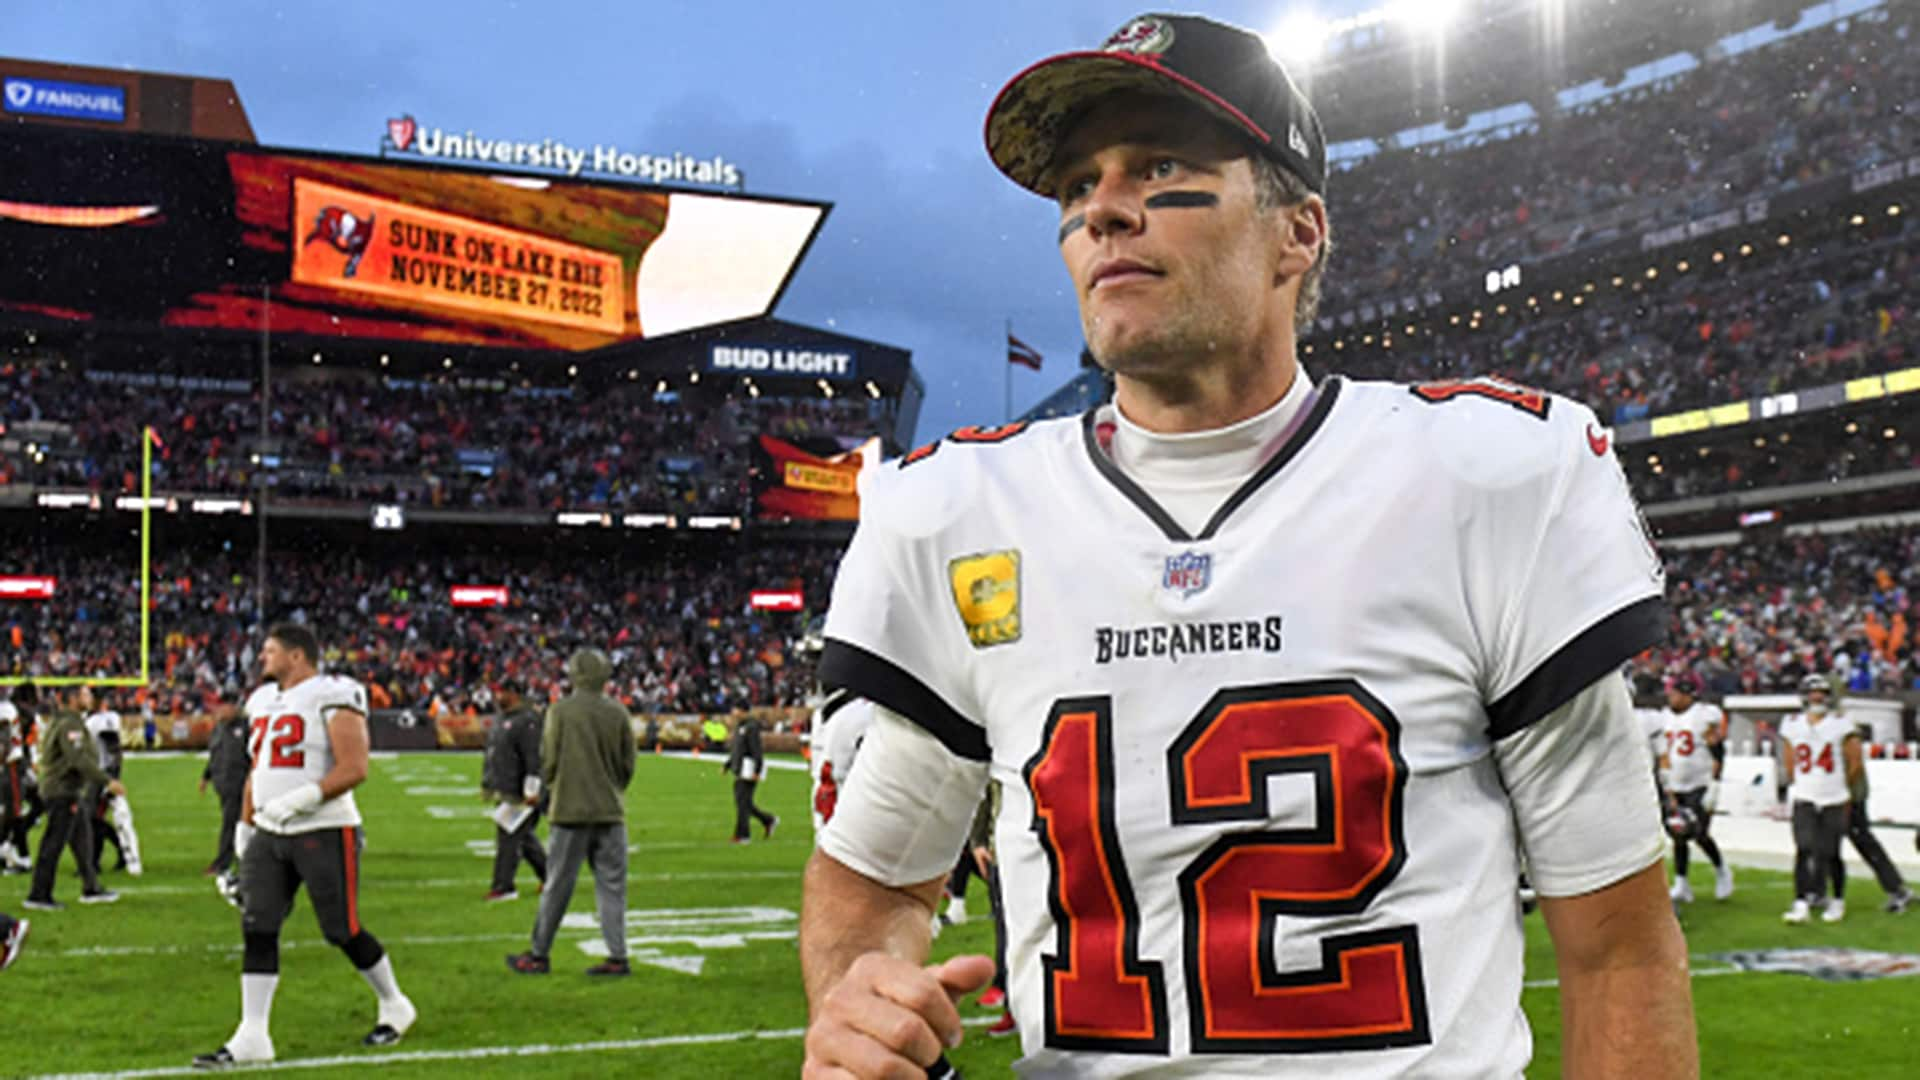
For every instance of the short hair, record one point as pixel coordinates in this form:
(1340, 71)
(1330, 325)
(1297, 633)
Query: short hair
(295, 636)
(1277, 187)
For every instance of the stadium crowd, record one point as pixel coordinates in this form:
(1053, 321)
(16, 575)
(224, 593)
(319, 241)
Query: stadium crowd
(1677, 150)
(1760, 615)
(1750, 617)
(1805, 318)
(354, 436)
(677, 624)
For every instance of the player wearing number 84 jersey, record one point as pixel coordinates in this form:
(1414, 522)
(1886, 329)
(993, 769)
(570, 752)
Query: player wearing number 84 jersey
(1277, 679)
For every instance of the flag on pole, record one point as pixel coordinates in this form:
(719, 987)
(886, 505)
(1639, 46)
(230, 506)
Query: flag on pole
(1019, 352)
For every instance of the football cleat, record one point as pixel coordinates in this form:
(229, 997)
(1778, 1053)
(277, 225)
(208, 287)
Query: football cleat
(100, 896)
(1723, 881)
(395, 1020)
(1003, 1026)
(1836, 910)
(610, 967)
(1898, 902)
(1682, 891)
(42, 905)
(993, 998)
(15, 940)
(1798, 913)
(772, 824)
(500, 895)
(226, 1058)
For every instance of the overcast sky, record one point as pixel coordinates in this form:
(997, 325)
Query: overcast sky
(877, 107)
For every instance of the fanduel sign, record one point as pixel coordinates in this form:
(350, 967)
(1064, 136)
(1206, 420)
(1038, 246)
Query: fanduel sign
(71, 101)
(756, 360)
(406, 135)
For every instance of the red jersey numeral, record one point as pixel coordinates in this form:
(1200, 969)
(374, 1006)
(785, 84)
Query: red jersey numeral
(284, 751)
(1680, 742)
(1369, 991)
(1099, 994)
(1804, 759)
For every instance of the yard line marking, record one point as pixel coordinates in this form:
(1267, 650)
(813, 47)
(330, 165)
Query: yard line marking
(409, 1057)
(722, 941)
(471, 883)
(1698, 973)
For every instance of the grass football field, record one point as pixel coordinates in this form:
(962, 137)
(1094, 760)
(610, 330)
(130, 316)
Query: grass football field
(137, 988)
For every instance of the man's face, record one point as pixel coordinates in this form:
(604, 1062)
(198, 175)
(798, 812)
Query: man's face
(1171, 257)
(83, 698)
(273, 660)
(1816, 701)
(1679, 698)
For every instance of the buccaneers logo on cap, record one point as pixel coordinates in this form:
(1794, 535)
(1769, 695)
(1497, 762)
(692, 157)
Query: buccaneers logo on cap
(1145, 34)
(348, 234)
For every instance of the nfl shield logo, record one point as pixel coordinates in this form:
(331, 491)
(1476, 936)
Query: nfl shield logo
(1187, 573)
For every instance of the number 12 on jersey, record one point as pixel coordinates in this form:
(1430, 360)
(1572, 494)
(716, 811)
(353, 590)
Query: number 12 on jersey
(1368, 992)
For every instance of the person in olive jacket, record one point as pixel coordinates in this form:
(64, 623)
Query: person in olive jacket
(511, 776)
(69, 761)
(586, 759)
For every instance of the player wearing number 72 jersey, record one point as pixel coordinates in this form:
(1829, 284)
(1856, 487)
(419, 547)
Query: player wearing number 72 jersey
(308, 741)
(1278, 679)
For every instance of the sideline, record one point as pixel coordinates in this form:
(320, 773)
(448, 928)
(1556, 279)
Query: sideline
(409, 1057)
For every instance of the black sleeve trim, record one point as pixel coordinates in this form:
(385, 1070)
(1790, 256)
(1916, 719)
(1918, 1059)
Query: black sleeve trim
(1603, 647)
(837, 702)
(844, 665)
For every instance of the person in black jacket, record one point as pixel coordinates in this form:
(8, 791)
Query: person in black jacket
(227, 765)
(748, 763)
(511, 776)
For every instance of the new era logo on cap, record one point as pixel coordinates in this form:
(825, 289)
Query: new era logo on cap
(1225, 70)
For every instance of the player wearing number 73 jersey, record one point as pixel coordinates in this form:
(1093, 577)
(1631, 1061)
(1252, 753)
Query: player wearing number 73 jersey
(1278, 678)
(308, 740)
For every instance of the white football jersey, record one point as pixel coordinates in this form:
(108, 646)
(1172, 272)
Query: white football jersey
(1689, 762)
(1819, 760)
(290, 745)
(1252, 823)
(1653, 724)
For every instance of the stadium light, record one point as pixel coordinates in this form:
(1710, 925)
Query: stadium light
(446, 361)
(1684, 266)
(1857, 220)
(873, 390)
(1853, 428)
(1785, 240)
(1894, 210)
(1745, 250)
(1299, 39)
(384, 359)
(1425, 16)
(1890, 433)
(1719, 257)
(572, 370)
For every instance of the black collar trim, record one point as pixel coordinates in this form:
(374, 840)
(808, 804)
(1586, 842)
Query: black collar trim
(1316, 417)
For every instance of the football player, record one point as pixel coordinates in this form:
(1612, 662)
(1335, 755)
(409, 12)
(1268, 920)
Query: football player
(1277, 677)
(1859, 823)
(1695, 734)
(114, 815)
(1821, 750)
(309, 750)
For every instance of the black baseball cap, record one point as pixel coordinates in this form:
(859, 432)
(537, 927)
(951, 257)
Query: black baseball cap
(1225, 69)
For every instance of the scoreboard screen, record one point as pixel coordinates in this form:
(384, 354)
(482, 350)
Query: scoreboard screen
(128, 230)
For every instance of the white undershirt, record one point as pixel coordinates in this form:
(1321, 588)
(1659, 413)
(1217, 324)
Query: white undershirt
(1191, 474)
